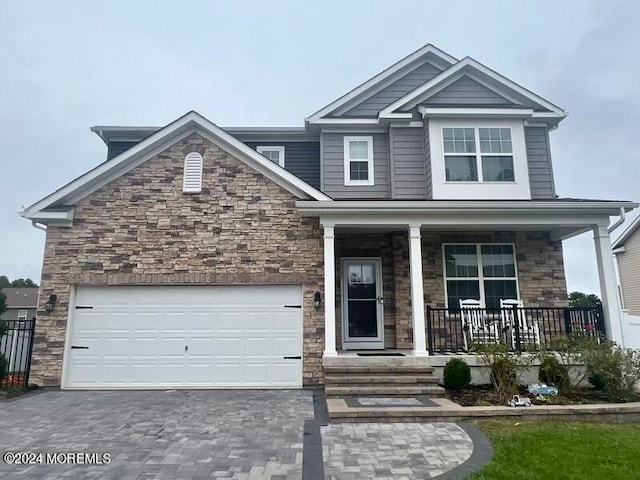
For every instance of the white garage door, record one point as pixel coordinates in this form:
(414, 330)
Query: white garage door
(164, 337)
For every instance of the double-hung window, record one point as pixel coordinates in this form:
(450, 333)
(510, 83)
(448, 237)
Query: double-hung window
(273, 153)
(358, 160)
(478, 154)
(485, 272)
(22, 314)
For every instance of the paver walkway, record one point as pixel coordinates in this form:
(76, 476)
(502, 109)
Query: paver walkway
(393, 451)
(186, 435)
(219, 434)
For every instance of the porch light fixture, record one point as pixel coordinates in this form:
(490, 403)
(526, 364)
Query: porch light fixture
(51, 303)
(317, 300)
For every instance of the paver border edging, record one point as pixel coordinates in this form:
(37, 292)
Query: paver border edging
(482, 453)
(312, 455)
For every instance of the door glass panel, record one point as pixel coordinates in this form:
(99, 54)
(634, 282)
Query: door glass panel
(362, 303)
(363, 319)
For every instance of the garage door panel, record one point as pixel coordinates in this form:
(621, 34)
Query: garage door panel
(236, 336)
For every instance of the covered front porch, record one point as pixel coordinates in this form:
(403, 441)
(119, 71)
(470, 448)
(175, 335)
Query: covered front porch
(395, 273)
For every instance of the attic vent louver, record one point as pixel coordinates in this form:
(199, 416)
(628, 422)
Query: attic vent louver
(192, 180)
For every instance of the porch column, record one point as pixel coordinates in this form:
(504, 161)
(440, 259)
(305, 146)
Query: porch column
(607, 277)
(417, 292)
(329, 292)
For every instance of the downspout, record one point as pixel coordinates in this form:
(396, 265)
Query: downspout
(620, 221)
(34, 224)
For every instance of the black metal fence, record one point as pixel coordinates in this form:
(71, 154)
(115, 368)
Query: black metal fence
(519, 328)
(16, 346)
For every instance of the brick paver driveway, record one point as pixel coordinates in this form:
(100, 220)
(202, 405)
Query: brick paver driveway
(183, 435)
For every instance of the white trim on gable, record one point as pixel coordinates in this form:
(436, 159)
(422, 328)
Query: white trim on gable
(439, 82)
(624, 236)
(381, 77)
(157, 142)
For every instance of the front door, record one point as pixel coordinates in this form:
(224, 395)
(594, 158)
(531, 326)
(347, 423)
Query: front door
(362, 309)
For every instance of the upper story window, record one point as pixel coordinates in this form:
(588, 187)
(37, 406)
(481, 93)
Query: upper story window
(478, 154)
(22, 314)
(192, 177)
(358, 160)
(273, 153)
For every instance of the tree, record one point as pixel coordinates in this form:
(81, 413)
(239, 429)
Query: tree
(3, 303)
(4, 281)
(21, 282)
(579, 299)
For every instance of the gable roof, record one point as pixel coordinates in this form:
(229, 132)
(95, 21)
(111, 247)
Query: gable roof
(624, 236)
(58, 205)
(19, 297)
(479, 72)
(385, 78)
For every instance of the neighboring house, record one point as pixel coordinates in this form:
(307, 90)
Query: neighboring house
(22, 303)
(626, 250)
(200, 256)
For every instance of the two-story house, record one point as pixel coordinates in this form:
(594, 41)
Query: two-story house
(203, 256)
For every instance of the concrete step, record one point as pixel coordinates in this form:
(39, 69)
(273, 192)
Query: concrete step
(384, 369)
(343, 378)
(383, 390)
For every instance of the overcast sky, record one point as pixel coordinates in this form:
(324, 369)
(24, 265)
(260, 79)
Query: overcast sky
(68, 65)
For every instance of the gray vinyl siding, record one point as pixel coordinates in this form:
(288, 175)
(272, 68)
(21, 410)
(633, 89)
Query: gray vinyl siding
(467, 92)
(412, 80)
(427, 159)
(539, 161)
(333, 167)
(629, 263)
(407, 153)
(300, 158)
(116, 148)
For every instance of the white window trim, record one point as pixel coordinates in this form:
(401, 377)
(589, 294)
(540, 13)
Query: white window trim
(192, 157)
(273, 148)
(480, 278)
(478, 154)
(22, 314)
(519, 189)
(369, 160)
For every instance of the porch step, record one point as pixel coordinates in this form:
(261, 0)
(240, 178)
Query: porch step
(383, 390)
(385, 369)
(341, 379)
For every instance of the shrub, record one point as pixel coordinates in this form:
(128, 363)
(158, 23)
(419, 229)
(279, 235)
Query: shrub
(609, 366)
(505, 368)
(457, 374)
(552, 372)
(597, 380)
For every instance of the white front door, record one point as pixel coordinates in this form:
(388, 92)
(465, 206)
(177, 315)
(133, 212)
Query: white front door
(362, 308)
(185, 337)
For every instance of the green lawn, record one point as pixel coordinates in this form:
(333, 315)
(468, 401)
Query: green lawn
(560, 450)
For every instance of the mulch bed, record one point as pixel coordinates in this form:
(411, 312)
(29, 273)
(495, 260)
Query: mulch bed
(485, 395)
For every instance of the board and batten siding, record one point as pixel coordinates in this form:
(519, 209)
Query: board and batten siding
(407, 160)
(467, 92)
(412, 80)
(629, 265)
(333, 167)
(539, 161)
(300, 158)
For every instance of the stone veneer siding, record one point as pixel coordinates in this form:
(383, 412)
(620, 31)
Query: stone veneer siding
(541, 277)
(141, 229)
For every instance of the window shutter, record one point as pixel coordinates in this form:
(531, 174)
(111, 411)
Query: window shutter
(192, 180)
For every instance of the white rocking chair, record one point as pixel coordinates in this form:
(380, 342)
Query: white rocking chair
(528, 331)
(475, 325)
